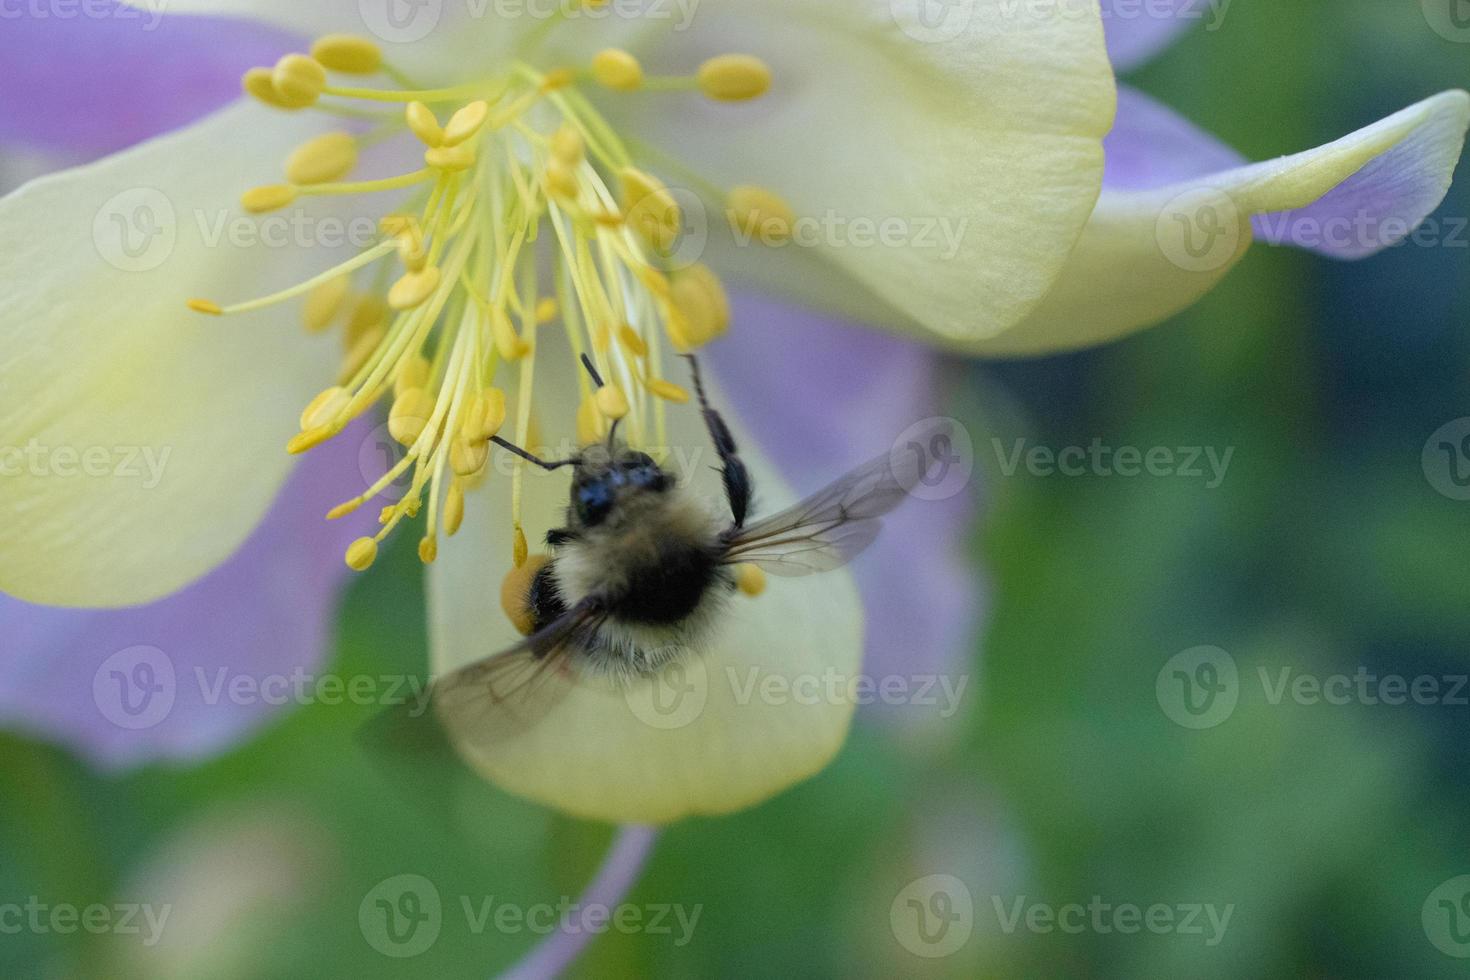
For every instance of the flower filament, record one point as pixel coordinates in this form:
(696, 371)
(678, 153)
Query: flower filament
(528, 211)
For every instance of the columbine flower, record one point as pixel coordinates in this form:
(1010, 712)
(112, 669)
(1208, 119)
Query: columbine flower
(872, 114)
(525, 137)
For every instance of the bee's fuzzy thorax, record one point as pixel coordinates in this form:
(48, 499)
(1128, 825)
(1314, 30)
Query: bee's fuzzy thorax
(659, 560)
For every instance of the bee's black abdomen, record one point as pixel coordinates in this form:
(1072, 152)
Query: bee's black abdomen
(667, 591)
(545, 598)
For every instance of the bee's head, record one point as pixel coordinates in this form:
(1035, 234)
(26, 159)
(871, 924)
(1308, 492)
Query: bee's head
(605, 478)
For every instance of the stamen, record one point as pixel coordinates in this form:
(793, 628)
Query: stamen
(424, 124)
(348, 54)
(759, 214)
(612, 403)
(750, 579)
(521, 153)
(616, 69)
(324, 303)
(299, 79)
(466, 122)
(272, 197)
(734, 77)
(329, 157)
(361, 554)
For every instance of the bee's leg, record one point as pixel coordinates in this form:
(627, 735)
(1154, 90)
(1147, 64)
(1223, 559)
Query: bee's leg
(737, 477)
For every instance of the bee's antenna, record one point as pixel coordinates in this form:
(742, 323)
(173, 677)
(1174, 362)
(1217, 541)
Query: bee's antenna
(574, 461)
(597, 380)
(587, 363)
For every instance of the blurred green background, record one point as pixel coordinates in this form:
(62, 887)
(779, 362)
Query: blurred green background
(1325, 828)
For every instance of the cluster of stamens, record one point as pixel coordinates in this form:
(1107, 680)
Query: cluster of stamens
(519, 170)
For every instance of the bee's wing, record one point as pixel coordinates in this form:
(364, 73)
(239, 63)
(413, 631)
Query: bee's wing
(482, 703)
(833, 526)
(512, 690)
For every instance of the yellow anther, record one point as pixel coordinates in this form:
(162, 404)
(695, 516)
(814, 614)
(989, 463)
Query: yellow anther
(591, 426)
(611, 402)
(324, 408)
(654, 281)
(631, 342)
(561, 180)
(411, 251)
(451, 159)
(343, 509)
(750, 579)
(601, 338)
(546, 311)
(468, 458)
(650, 208)
(393, 225)
(701, 304)
(324, 303)
(568, 146)
(259, 83)
(607, 217)
(428, 550)
(759, 214)
(309, 439)
(453, 508)
(667, 390)
(272, 197)
(359, 350)
(734, 77)
(299, 79)
(329, 157)
(486, 415)
(361, 554)
(515, 592)
(367, 315)
(521, 552)
(510, 345)
(424, 123)
(348, 53)
(208, 306)
(466, 122)
(558, 78)
(616, 69)
(409, 415)
(414, 288)
(414, 374)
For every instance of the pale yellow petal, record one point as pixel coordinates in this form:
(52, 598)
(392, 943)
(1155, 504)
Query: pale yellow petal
(1146, 255)
(711, 737)
(141, 441)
